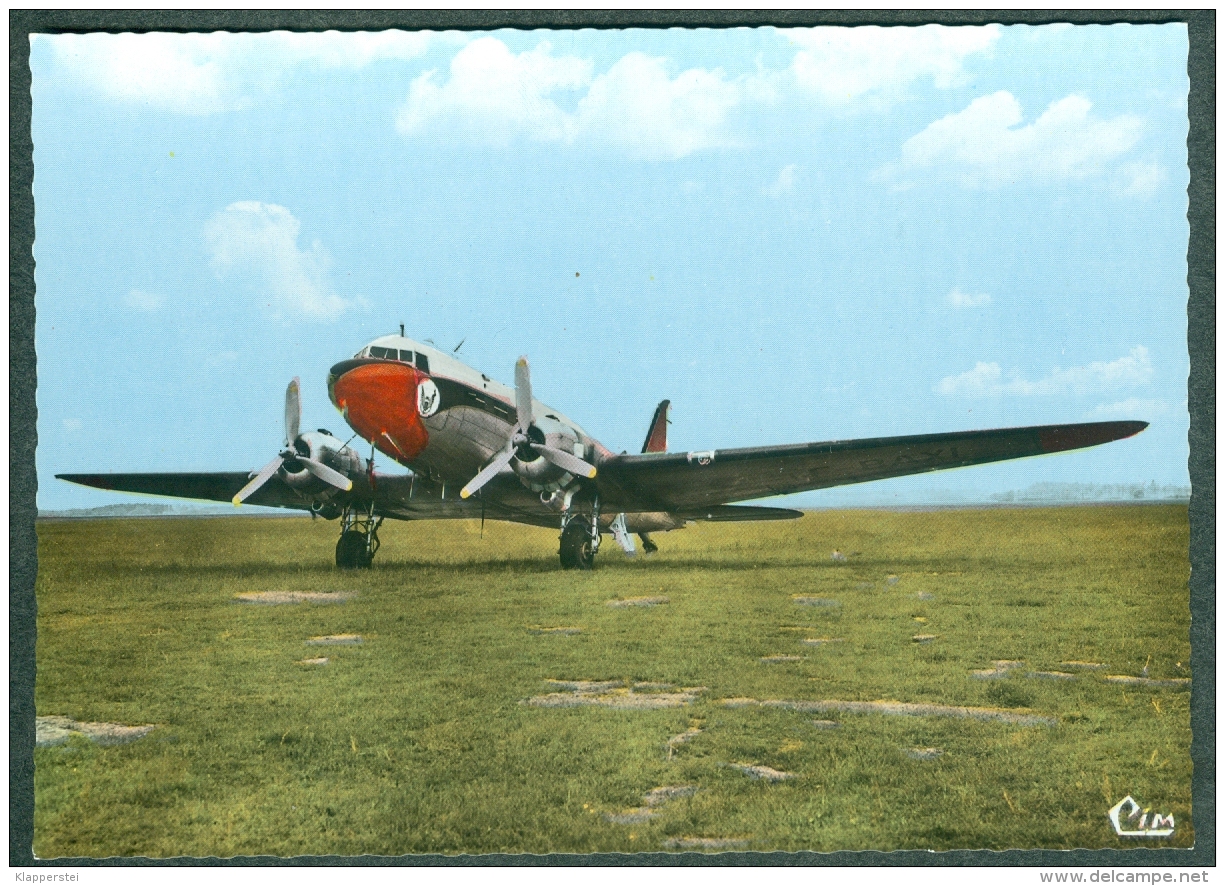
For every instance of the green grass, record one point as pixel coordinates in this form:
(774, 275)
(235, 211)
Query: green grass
(417, 741)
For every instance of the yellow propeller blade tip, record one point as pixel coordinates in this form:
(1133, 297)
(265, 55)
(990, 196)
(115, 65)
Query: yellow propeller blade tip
(464, 493)
(237, 502)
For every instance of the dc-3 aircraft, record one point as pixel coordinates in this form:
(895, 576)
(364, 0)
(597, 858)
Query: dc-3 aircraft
(477, 448)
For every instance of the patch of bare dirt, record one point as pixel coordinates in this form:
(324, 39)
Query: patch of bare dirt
(683, 738)
(816, 601)
(765, 773)
(313, 662)
(651, 801)
(637, 601)
(336, 640)
(923, 638)
(826, 724)
(821, 641)
(281, 598)
(1000, 668)
(899, 709)
(564, 631)
(923, 753)
(51, 731)
(1084, 665)
(614, 694)
(1050, 675)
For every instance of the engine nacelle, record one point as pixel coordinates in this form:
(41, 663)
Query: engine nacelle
(321, 446)
(533, 469)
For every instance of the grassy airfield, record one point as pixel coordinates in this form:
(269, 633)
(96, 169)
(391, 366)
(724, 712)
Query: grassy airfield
(439, 732)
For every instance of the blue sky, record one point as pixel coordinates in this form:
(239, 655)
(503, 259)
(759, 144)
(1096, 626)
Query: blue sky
(794, 235)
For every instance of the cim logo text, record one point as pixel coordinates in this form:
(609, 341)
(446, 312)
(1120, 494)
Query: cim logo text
(1130, 820)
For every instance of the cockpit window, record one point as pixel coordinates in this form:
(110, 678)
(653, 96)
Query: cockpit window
(406, 357)
(385, 353)
(423, 362)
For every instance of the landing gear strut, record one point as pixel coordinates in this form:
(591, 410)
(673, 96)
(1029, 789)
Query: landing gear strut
(580, 537)
(359, 539)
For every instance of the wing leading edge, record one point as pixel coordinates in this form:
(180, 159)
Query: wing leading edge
(682, 481)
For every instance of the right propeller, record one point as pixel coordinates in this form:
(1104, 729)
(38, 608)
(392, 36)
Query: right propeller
(526, 440)
(291, 457)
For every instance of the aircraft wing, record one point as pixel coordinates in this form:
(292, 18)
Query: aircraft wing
(221, 486)
(687, 481)
(397, 496)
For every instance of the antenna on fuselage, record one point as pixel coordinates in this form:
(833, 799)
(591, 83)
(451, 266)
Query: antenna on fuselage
(460, 345)
(401, 330)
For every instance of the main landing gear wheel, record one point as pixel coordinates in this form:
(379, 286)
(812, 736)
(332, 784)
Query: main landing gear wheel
(351, 552)
(577, 551)
(359, 539)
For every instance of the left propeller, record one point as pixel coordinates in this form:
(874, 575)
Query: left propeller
(291, 456)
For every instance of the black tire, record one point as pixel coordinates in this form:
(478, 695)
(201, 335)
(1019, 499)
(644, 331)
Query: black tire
(576, 552)
(351, 551)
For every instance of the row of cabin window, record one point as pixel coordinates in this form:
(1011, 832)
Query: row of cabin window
(422, 362)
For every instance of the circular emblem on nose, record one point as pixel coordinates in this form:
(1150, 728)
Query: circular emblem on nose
(428, 398)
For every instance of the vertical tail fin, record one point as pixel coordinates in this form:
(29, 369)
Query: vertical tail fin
(657, 436)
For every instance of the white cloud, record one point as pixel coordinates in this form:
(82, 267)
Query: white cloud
(171, 72)
(959, 299)
(494, 93)
(1132, 407)
(987, 379)
(785, 183)
(497, 95)
(259, 241)
(1141, 179)
(336, 49)
(844, 64)
(986, 145)
(208, 73)
(637, 106)
(140, 300)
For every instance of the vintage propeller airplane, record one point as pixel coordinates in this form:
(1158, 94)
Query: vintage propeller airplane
(477, 448)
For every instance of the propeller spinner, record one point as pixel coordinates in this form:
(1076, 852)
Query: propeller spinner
(290, 455)
(525, 444)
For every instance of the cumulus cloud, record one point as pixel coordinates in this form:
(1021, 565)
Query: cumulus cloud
(496, 93)
(785, 183)
(844, 64)
(636, 106)
(202, 74)
(259, 242)
(987, 379)
(139, 300)
(984, 144)
(959, 299)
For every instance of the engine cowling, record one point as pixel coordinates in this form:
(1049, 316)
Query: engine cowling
(535, 471)
(322, 447)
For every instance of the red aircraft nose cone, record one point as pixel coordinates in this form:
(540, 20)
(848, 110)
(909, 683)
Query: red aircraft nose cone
(379, 401)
